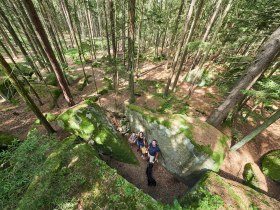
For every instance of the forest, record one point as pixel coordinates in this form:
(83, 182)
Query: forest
(79, 79)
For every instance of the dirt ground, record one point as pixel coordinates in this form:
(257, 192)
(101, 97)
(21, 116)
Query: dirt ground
(17, 120)
(168, 187)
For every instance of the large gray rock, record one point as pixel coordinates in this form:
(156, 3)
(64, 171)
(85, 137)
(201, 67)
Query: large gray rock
(188, 146)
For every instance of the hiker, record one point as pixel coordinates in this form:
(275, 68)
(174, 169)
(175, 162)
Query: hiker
(141, 141)
(149, 173)
(133, 138)
(153, 151)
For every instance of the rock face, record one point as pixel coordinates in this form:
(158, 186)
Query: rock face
(212, 189)
(89, 121)
(188, 146)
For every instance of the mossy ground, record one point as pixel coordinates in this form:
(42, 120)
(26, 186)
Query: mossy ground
(88, 121)
(45, 173)
(271, 165)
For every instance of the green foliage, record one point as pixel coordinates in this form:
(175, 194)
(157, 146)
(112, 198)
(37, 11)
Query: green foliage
(56, 93)
(236, 67)
(6, 140)
(25, 70)
(49, 117)
(271, 165)
(266, 91)
(7, 90)
(202, 199)
(249, 175)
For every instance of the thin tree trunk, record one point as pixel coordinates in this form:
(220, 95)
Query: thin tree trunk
(183, 58)
(106, 29)
(18, 42)
(208, 29)
(20, 89)
(266, 55)
(256, 131)
(179, 47)
(57, 70)
(131, 41)
(7, 40)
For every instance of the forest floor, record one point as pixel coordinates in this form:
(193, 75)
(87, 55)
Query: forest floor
(16, 119)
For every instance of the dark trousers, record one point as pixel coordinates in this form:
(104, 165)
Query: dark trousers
(149, 172)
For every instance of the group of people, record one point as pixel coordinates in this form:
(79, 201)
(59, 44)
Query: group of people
(149, 152)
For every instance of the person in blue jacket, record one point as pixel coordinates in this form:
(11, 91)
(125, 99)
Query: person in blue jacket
(153, 151)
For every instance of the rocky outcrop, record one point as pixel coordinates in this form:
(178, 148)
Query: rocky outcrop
(89, 121)
(188, 146)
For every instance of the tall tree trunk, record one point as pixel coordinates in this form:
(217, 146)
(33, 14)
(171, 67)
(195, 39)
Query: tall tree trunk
(57, 70)
(183, 57)
(139, 38)
(19, 44)
(266, 55)
(199, 72)
(20, 89)
(131, 41)
(208, 29)
(179, 47)
(106, 29)
(7, 40)
(257, 130)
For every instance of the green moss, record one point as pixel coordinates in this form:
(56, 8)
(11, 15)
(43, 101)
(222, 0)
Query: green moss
(271, 165)
(49, 117)
(89, 121)
(202, 199)
(49, 174)
(6, 140)
(109, 83)
(249, 175)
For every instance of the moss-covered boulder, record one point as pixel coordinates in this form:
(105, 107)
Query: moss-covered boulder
(89, 121)
(249, 175)
(215, 192)
(271, 165)
(6, 140)
(188, 146)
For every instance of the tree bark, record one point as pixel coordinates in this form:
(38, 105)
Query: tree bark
(131, 41)
(266, 55)
(41, 31)
(7, 40)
